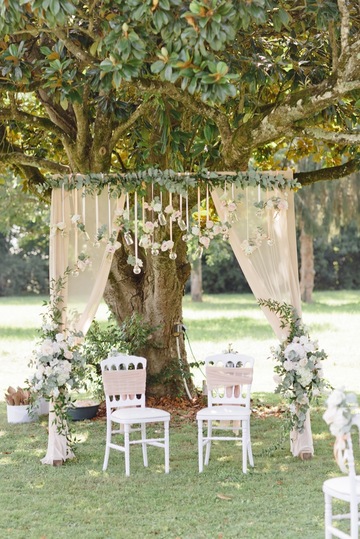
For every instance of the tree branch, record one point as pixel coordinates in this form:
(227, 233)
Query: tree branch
(344, 25)
(30, 119)
(326, 174)
(82, 114)
(142, 109)
(333, 136)
(78, 52)
(192, 104)
(19, 159)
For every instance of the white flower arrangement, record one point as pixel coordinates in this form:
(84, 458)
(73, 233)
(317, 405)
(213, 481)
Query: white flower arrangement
(340, 411)
(299, 373)
(59, 364)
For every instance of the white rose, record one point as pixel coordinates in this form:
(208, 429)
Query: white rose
(47, 348)
(335, 398)
(294, 351)
(303, 362)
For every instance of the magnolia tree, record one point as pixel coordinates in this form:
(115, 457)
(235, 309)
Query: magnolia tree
(121, 85)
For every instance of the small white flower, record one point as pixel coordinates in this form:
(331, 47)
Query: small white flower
(157, 207)
(290, 365)
(169, 209)
(167, 245)
(205, 241)
(149, 227)
(303, 362)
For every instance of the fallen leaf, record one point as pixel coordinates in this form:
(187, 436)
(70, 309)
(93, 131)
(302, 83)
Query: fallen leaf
(223, 497)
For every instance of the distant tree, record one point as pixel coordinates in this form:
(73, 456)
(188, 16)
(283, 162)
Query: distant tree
(323, 210)
(24, 245)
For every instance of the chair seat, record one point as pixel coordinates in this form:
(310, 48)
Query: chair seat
(223, 412)
(339, 487)
(139, 415)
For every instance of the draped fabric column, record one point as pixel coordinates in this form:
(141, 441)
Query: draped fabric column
(263, 238)
(82, 243)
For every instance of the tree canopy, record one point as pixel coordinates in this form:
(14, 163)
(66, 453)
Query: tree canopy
(121, 84)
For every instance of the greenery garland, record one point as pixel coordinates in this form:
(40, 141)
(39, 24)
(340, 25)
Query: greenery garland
(175, 182)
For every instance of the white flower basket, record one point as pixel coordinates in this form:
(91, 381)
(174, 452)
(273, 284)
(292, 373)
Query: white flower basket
(19, 414)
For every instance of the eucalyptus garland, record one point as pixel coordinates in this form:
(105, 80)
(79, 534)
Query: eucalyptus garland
(174, 182)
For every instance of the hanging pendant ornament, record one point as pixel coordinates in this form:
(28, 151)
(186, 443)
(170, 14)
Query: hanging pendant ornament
(199, 251)
(207, 205)
(127, 234)
(155, 249)
(161, 216)
(137, 268)
(127, 237)
(181, 222)
(172, 255)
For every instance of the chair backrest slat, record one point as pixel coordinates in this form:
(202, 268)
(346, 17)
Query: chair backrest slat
(124, 380)
(229, 378)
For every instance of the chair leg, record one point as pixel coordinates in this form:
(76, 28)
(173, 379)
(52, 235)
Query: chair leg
(249, 448)
(167, 446)
(354, 519)
(107, 447)
(244, 445)
(144, 444)
(127, 449)
(200, 444)
(328, 516)
(208, 442)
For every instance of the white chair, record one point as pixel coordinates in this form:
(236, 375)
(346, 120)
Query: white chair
(346, 488)
(228, 379)
(124, 379)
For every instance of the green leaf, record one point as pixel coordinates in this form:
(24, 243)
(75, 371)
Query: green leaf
(157, 66)
(222, 68)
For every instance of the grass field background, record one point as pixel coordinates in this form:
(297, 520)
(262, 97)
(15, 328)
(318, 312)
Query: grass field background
(280, 498)
(333, 319)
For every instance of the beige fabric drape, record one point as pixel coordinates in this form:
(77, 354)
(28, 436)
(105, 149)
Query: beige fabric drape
(76, 221)
(271, 269)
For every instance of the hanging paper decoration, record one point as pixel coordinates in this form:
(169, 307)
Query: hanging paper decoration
(149, 228)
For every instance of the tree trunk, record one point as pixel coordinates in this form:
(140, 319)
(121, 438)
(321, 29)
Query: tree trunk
(196, 280)
(307, 271)
(156, 293)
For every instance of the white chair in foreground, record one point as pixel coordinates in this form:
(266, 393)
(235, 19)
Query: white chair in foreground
(346, 488)
(228, 379)
(124, 379)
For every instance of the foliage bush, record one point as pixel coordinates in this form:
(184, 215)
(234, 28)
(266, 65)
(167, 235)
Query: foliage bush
(337, 263)
(128, 338)
(224, 275)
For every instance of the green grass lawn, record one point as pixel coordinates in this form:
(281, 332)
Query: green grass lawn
(280, 498)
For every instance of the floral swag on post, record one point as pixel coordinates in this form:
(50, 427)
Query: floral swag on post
(340, 412)
(299, 373)
(59, 364)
